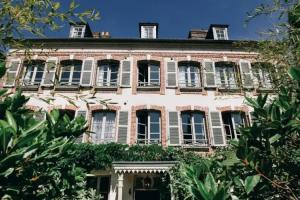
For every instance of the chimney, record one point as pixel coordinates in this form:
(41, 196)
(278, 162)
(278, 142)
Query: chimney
(96, 34)
(105, 35)
(197, 34)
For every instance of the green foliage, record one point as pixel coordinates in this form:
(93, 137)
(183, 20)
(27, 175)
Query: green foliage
(32, 151)
(20, 17)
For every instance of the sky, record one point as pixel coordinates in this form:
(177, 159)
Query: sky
(175, 17)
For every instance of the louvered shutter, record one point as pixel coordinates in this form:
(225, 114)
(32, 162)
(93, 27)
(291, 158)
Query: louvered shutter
(49, 75)
(171, 74)
(82, 113)
(174, 128)
(12, 73)
(86, 76)
(123, 127)
(246, 74)
(125, 76)
(209, 70)
(217, 129)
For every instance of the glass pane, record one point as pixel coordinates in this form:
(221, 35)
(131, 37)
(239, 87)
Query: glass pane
(76, 77)
(154, 128)
(38, 77)
(97, 124)
(154, 116)
(198, 118)
(104, 184)
(91, 182)
(65, 75)
(28, 74)
(186, 118)
(109, 132)
(199, 129)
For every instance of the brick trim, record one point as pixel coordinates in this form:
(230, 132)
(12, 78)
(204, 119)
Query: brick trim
(242, 108)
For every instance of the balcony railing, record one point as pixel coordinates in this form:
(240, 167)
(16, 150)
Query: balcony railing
(149, 84)
(228, 86)
(103, 141)
(186, 84)
(195, 142)
(104, 83)
(148, 141)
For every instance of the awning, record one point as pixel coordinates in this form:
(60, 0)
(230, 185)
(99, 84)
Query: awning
(143, 166)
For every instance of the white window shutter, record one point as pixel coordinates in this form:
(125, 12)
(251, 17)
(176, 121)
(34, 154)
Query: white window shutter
(123, 127)
(82, 113)
(246, 74)
(86, 73)
(12, 73)
(125, 73)
(209, 70)
(49, 74)
(217, 130)
(171, 74)
(174, 138)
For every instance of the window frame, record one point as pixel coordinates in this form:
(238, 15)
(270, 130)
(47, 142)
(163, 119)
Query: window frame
(104, 126)
(193, 133)
(188, 75)
(234, 135)
(71, 72)
(149, 83)
(98, 183)
(109, 65)
(148, 133)
(32, 80)
(225, 72)
(264, 82)
(73, 31)
(147, 29)
(16, 72)
(216, 35)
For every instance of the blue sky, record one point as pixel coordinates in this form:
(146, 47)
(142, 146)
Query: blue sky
(175, 17)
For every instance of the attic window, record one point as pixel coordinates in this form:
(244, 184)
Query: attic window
(148, 32)
(220, 34)
(77, 31)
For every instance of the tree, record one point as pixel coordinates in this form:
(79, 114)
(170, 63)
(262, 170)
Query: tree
(34, 17)
(32, 149)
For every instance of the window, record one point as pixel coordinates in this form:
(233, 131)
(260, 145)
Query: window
(77, 32)
(225, 75)
(261, 75)
(232, 122)
(107, 74)
(70, 72)
(148, 127)
(11, 73)
(193, 128)
(34, 72)
(99, 183)
(104, 126)
(148, 32)
(148, 74)
(189, 74)
(221, 34)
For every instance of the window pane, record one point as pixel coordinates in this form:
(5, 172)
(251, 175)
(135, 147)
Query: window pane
(154, 116)
(97, 125)
(154, 128)
(186, 118)
(91, 182)
(76, 77)
(109, 132)
(65, 77)
(29, 74)
(198, 118)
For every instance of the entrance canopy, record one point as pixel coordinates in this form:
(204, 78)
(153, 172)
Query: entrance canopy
(143, 166)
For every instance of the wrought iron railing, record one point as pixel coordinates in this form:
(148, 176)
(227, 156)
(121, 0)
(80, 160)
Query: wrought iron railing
(195, 142)
(186, 84)
(148, 141)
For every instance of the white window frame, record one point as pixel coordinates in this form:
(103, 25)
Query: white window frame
(225, 31)
(71, 75)
(188, 82)
(108, 80)
(148, 133)
(234, 125)
(262, 84)
(16, 71)
(226, 82)
(73, 35)
(147, 30)
(103, 125)
(194, 140)
(32, 80)
(149, 83)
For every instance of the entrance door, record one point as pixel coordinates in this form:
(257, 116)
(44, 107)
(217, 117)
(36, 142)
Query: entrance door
(147, 195)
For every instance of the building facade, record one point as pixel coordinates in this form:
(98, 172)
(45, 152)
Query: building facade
(187, 93)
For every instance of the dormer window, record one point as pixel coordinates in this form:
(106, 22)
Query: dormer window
(77, 31)
(220, 33)
(148, 30)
